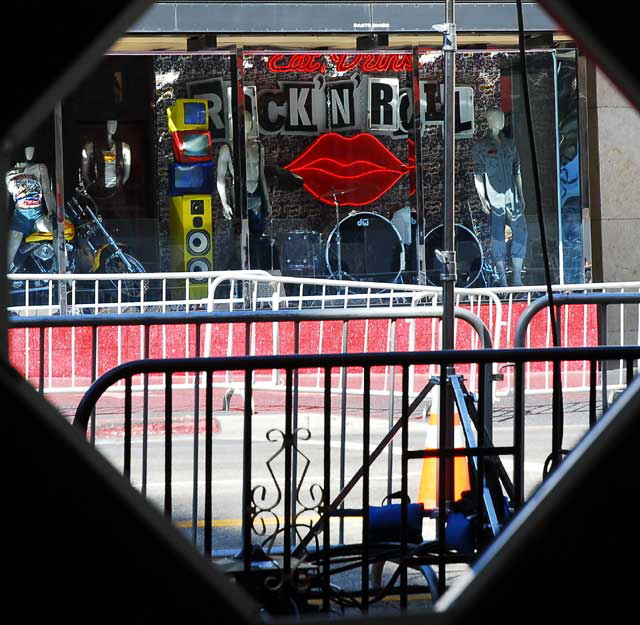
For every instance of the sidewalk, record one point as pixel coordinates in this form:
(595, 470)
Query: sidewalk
(271, 404)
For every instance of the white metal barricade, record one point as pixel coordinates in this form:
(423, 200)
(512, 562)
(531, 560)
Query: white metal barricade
(580, 326)
(254, 290)
(342, 294)
(102, 293)
(65, 371)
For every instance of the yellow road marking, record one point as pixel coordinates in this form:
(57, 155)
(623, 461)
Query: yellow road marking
(238, 522)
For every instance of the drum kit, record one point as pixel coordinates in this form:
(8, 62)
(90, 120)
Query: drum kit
(366, 246)
(469, 256)
(363, 246)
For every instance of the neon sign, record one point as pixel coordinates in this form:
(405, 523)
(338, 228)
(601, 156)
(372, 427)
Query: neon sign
(352, 170)
(313, 63)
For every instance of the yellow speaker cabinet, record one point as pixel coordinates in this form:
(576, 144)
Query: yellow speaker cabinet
(191, 238)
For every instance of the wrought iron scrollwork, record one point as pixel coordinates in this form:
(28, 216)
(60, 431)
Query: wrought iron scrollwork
(309, 498)
(259, 509)
(315, 490)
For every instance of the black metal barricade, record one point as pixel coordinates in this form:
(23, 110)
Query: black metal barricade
(565, 300)
(292, 568)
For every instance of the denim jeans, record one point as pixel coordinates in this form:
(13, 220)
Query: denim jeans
(518, 242)
(572, 255)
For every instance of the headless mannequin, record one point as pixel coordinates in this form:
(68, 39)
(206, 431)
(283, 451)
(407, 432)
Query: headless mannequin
(497, 167)
(256, 181)
(35, 204)
(116, 170)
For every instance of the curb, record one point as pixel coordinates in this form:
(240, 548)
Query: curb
(137, 430)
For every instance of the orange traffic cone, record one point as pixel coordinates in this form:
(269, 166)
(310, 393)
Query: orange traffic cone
(428, 489)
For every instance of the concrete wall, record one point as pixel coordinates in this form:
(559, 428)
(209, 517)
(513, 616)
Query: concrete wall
(614, 181)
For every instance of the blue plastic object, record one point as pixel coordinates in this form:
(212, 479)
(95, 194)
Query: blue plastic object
(191, 178)
(459, 533)
(384, 523)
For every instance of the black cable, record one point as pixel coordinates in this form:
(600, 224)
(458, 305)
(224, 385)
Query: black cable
(557, 432)
(536, 177)
(551, 461)
(387, 553)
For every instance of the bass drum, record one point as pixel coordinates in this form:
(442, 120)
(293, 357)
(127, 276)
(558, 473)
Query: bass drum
(301, 253)
(371, 249)
(468, 256)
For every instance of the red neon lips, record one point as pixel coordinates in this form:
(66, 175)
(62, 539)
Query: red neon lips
(358, 170)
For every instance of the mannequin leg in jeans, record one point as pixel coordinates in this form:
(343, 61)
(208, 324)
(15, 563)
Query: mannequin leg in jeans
(502, 275)
(22, 226)
(498, 246)
(516, 267)
(518, 248)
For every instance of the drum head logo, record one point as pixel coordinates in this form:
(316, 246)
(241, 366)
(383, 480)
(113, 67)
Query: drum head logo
(363, 223)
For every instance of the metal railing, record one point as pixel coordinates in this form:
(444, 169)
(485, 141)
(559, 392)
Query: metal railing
(600, 303)
(293, 512)
(90, 344)
(553, 381)
(250, 290)
(228, 290)
(587, 332)
(101, 293)
(236, 291)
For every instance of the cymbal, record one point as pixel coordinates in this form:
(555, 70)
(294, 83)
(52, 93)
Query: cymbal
(287, 180)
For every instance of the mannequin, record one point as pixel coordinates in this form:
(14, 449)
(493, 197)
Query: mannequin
(106, 167)
(29, 185)
(404, 221)
(257, 198)
(498, 182)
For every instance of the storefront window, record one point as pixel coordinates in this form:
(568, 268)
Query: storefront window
(571, 227)
(148, 129)
(498, 237)
(330, 178)
(108, 147)
(192, 129)
(328, 184)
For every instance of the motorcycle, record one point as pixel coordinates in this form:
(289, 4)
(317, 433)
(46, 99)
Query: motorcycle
(90, 248)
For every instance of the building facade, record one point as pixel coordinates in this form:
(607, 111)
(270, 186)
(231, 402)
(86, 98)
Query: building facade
(340, 170)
